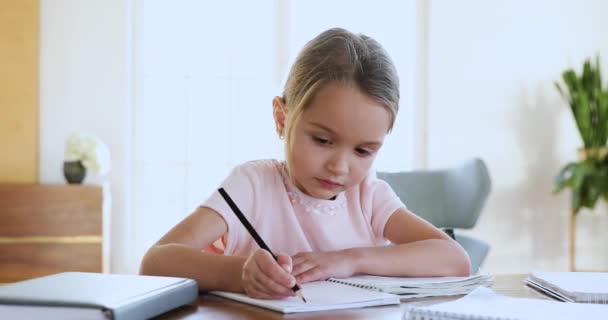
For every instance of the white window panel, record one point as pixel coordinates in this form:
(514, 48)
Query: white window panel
(254, 135)
(164, 119)
(163, 39)
(252, 34)
(208, 50)
(202, 180)
(185, 37)
(209, 120)
(161, 204)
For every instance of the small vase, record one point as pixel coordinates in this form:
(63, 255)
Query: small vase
(74, 171)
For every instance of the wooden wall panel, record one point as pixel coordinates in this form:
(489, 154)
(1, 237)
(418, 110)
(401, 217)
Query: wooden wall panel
(46, 229)
(50, 210)
(19, 23)
(21, 261)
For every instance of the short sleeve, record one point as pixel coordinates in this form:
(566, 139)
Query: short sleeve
(383, 202)
(239, 185)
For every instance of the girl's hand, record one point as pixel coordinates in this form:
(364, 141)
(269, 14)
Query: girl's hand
(313, 266)
(265, 278)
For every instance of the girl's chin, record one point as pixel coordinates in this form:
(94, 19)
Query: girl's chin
(323, 195)
(319, 192)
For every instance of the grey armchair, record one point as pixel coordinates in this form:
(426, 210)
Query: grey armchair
(448, 198)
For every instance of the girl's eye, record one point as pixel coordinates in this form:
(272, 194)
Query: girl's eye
(363, 152)
(320, 140)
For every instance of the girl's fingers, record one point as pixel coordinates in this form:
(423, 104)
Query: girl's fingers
(265, 278)
(285, 262)
(256, 287)
(298, 258)
(312, 274)
(303, 266)
(261, 291)
(259, 294)
(255, 284)
(273, 285)
(271, 269)
(270, 287)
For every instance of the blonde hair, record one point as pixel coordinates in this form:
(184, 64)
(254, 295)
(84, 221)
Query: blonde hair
(338, 55)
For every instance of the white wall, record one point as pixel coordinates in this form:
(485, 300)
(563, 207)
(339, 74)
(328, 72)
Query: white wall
(491, 70)
(84, 86)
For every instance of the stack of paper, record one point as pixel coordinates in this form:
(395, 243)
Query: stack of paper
(409, 288)
(589, 287)
(483, 303)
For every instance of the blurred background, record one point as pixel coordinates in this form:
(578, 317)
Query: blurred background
(180, 91)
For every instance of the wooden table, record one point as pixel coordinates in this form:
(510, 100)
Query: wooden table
(212, 307)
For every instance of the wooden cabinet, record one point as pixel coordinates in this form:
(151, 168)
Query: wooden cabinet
(46, 229)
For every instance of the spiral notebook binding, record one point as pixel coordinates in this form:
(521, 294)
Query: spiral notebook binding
(418, 314)
(360, 285)
(595, 298)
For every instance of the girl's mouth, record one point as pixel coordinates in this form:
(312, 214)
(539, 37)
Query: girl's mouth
(328, 184)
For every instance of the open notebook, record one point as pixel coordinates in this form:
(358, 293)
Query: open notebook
(483, 304)
(320, 295)
(588, 287)
(409, 287)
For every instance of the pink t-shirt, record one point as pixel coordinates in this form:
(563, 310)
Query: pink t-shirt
(290, 221)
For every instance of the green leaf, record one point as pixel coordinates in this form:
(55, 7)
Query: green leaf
(580, 173)
(598, 72)
(564, 178)
(603, 114)
(587, 78)
(591, 195)
(560, 90)
(571, 81)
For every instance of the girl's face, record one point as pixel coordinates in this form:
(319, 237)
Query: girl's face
(336, 140)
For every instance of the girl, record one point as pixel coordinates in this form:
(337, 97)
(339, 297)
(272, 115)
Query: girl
(322, 207)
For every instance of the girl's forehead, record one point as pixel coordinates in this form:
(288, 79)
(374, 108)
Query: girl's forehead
(347, 110)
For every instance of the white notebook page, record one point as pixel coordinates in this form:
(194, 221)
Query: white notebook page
(320, 295)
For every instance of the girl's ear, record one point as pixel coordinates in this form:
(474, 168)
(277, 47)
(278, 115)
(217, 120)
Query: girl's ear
(279, 113)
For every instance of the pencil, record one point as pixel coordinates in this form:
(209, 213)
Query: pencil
(254, 234)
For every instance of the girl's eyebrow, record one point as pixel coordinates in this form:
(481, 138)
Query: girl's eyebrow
(328, 129)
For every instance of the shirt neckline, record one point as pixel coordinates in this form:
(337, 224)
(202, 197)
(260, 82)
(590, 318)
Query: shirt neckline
(311, 204)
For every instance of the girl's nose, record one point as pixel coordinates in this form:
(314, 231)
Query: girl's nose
(338, 165)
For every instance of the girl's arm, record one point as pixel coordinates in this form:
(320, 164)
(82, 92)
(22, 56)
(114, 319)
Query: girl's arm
(179, 254)
(420, 250)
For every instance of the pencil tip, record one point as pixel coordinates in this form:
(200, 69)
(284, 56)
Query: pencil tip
(299, 294)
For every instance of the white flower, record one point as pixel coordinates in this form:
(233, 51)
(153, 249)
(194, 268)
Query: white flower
(89, 150)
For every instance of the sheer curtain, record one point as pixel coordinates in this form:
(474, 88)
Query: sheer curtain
(205, 75)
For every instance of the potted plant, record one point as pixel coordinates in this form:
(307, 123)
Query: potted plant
(588, 177)
(82, 152)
